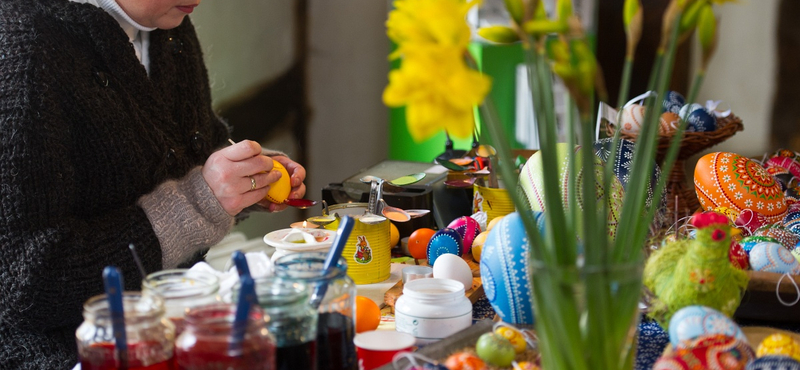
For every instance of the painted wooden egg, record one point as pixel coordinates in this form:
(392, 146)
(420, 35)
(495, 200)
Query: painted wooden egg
(708, 352)
(444, 241)
(779, 344)
(730, 180)
(699, 119)
(785, 237)
(791, 164)
(792, 222)
(749, 221)
(773, 257)
(668, 123)
(468, 228)
(738, 257)
(464, 361)
(505, 269)
(531, 182)
(673, 102)
(774, 362)
(693, 322)
(632, 119)
(623, 162)
(747, 243)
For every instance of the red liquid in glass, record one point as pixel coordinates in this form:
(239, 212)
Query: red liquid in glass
(208, 355)
(298, 356)
(335, 347)
(100, 356)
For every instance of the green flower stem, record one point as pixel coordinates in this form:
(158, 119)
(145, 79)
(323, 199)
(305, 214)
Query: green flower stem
(654, 73)
(698, 81)
(625, 84)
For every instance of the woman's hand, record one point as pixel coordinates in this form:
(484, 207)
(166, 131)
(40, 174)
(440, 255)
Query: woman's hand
(297, 174)
(240, 176)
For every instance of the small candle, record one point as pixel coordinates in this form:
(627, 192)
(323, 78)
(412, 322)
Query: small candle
(304, 225)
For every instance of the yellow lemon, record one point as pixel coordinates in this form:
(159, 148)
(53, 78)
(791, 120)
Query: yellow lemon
(279, 190)
(394, 235)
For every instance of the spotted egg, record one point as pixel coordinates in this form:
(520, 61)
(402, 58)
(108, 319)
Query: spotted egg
(787, 238)
(733, 181)
(444, 241)
(673, 102)
(632, 119)
(505, 269)
(748, 242)
(773, 257)
(692, 322)
(779, 344)
(774, 362)
(531, 183)
(468, 228)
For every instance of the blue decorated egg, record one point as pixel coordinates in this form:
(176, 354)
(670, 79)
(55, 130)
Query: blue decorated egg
(504, 269)
(699, 119)
(444, 241)
(774, 362)
(468, 228)
(792, 222)
(692, 322)
(748, 242)
(773, 257)
(531, 183)
(623, 162)
(673, 102)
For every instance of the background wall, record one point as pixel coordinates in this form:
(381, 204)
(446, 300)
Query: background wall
(251, 42)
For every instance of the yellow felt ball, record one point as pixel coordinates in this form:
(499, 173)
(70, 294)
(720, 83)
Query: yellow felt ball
(394, 235)
(514, 336)
(477, 245)
(279, 190)
(779, 344)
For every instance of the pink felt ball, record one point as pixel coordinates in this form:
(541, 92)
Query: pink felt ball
(468, 228)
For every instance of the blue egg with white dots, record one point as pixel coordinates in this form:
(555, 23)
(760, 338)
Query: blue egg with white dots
(673, 101)
(792, 222)
(699, 119)
(773, 362)
(444, 241)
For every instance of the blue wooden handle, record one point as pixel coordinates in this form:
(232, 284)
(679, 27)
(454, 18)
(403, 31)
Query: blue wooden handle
(241, 263)
(112, 280)
(247, 299)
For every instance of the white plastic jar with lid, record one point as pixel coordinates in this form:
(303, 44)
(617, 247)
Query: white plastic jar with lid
(431, 309)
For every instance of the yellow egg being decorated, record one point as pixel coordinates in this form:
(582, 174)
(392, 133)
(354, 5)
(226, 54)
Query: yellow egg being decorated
(279, 190)
(779, 344)
(514, 336)
(477, 244)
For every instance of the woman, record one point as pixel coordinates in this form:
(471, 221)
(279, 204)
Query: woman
(107, 138)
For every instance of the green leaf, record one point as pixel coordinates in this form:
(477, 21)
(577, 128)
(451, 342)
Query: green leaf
(516, 9)
(563, 9)
(499, 34)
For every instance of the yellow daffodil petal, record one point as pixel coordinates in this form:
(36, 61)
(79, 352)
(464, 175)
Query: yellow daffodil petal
(441, 22)
(499, 34)
(516, 9)
(706, 27)
(629, 10)
(543, 27)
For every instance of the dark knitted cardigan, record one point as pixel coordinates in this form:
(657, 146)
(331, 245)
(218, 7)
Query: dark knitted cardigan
(84, 133)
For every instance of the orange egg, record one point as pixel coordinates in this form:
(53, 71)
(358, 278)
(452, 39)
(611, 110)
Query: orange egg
(737, 183)
(418, 242)
(368, 314)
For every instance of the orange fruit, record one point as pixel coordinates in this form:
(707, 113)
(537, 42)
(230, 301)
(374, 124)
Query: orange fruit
(279, 190)
(368, 314)
(418, 242)
(394, 235)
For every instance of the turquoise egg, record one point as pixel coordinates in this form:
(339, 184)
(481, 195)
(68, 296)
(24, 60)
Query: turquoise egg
(773, 257)
(444, 241)
(692, 322)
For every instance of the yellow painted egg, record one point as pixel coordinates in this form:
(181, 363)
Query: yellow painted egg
(737, 183)
(779, 344)
(477, 245)
(493, 222)
(279, 190)
(514, 336)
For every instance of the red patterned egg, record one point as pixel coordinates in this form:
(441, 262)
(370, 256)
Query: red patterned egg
(708, 352)
(468, 228)
(733, 181)
(791, 164)
(787, 238)
(632, 119)
(738, 256)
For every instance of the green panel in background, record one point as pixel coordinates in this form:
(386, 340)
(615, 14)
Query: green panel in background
(497, 61)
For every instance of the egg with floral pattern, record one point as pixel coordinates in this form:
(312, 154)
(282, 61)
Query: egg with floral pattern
(773, 257)
(708, 352)
(774, 362)
(699, 119)
(792, 222)
(695, 321)
(505, 269)
(733, 181)
(787, 238)
(738, 256)
(623, 162)
(779, 344)
(442, 242)
(673, 102)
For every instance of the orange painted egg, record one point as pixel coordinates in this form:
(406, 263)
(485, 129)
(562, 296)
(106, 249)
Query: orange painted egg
(668, 123)
(736, 182)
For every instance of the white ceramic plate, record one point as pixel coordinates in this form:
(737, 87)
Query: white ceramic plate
(324, 239)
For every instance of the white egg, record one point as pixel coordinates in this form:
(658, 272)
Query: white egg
(450, 266)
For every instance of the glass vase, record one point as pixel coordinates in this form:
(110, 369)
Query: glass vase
(587, 316)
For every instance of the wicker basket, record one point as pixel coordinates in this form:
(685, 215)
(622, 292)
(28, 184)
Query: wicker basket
(681, 197)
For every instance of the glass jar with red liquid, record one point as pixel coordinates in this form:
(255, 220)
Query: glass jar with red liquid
(205, 343)
(290, 320)
(181, 290)
(149, 335)
(336, 321)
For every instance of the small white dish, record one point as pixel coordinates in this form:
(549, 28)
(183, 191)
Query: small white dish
(322, 238)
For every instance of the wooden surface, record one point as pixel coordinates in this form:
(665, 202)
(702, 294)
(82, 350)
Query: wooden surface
(760, 301)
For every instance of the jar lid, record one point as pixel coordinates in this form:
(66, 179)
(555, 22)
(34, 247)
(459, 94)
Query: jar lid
(434, 288)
